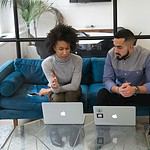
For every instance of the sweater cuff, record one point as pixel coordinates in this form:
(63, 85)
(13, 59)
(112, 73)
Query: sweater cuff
(56, 90)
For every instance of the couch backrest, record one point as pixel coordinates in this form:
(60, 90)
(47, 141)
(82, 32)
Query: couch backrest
(31, 70)
(97, 68)
(86, 71)
(92, 71)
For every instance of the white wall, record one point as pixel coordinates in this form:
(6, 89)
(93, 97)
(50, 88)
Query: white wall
(132, 14)
(7, 52)
(7, 19)
(0, 21)
(82, 15)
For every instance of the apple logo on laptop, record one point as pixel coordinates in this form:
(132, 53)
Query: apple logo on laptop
(63, 113)
(114, 116)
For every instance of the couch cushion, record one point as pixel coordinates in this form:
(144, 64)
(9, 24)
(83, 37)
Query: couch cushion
(86, 71)
(97, 69)
(21, 101)
(84, 88)
(84, 95)
(11, 83)
(92, 93)
(32, 70)
(21, 114)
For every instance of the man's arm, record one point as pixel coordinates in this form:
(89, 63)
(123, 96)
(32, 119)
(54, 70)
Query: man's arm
(140, 89)
(127, 90)
(146, 87)
(115, 89)
(109, 75)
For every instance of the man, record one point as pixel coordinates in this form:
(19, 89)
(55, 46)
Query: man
(126, 73)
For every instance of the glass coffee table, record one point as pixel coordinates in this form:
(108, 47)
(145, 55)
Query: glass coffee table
(37, 136)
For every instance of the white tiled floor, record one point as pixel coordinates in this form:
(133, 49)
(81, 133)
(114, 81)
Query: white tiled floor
(6, 122)
(10, 122)
(6, 127)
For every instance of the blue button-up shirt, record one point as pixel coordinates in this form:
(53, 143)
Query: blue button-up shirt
(135, 69)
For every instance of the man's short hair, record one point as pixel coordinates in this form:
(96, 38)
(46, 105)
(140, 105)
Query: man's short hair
(126, 34)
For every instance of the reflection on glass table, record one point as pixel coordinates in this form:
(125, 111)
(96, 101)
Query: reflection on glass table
(22, 138)
(37, 136)
(114, 138)
(61, 137)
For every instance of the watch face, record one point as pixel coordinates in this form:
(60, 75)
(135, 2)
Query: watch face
(137, 90)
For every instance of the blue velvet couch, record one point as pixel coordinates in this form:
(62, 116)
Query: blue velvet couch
(22, 76)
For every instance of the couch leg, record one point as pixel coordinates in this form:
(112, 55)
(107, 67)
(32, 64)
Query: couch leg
(15, 122)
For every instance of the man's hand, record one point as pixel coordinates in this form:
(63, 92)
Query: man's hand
(126, 90)
(44, 91)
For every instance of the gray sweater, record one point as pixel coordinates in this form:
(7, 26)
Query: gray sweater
(68, 72)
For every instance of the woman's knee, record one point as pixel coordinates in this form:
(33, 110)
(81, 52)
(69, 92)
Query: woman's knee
(58, 97)
(72, 96)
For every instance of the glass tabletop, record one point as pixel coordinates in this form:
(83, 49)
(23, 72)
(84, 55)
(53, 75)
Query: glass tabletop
(66, 137)
(37, 136)
(114, 138)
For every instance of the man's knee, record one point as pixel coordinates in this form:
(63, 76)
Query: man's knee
(102, 96)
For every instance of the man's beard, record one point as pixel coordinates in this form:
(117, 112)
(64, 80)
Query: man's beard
(123, 57)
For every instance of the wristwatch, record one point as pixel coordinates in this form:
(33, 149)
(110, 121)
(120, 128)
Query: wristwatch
(137, 90)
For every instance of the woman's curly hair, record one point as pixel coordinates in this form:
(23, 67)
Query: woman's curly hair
(62, 33)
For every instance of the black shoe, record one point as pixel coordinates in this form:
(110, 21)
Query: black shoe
(56, 139)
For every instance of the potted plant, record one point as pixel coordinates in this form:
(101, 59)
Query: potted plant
(31, 10)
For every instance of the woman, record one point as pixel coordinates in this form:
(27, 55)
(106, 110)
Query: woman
(62, 69)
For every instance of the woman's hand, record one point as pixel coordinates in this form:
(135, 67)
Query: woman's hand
(44, 91)
(55, 83)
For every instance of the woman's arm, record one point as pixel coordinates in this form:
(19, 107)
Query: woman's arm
(76, 78)
(47, 68)
(45, 91)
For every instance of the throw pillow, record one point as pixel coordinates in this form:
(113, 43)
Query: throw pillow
(11, 83)
(31, 70)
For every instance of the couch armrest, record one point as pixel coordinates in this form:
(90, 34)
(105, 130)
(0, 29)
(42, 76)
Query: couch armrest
(11, 83)
(6, 69)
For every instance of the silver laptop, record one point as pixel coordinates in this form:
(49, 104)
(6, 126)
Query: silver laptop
(115, 115)
(63, 113)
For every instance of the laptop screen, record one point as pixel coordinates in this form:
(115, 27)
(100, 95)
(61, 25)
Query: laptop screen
(114, 115)
(63, 113)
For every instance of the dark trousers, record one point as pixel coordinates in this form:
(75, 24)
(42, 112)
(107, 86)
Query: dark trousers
(105, 98)
(69, 96)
